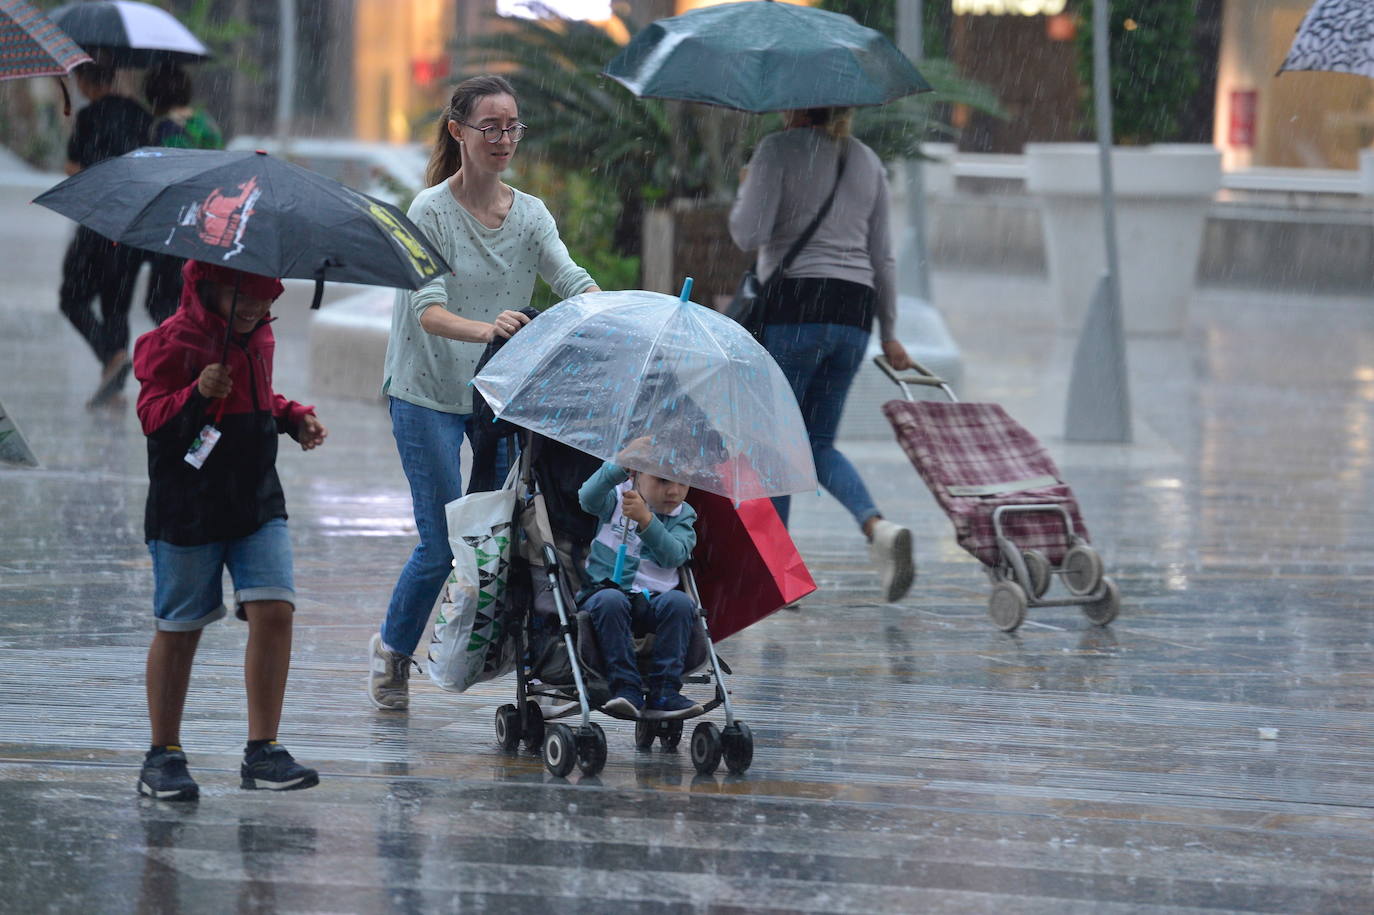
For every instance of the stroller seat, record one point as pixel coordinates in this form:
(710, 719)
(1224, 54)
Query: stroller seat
(552, 667)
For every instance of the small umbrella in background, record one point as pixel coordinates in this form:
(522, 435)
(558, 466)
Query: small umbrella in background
(128, 33)
(765, 56)
(1335, 36)
(31, 44)
(657, 384)
(249, 211)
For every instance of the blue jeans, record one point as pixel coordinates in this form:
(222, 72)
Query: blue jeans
(429, 442)
(820, 361)
(616, 619)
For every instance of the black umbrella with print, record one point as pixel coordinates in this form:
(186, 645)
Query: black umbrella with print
(249, 211)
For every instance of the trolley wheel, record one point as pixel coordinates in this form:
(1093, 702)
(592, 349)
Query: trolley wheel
(1082, 570)
(560, 750)
(508, 727)
(706, 748)
(738, 744)
(1007, 605)
(533, 731)
(1038, 568)
(1104, 610)
(591, 750)
(645, 733)
(670, 738)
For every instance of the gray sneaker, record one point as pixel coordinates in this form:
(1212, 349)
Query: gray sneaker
(388, 677)
(891, 550)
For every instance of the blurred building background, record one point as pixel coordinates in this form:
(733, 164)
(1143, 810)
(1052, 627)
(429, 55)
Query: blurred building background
(379, 70)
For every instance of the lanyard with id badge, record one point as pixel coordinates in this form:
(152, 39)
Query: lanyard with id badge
(209, 434)
(205, 439)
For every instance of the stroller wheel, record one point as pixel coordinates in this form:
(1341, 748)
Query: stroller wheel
(1105, 609)
(508, 727)
(560, 751)
(1038, 567)
(645, 732)
(673, 736)
(1082, 570)
(1007, 606)
(533, 731)
(738, 743)
(591, 750)
(706, 747)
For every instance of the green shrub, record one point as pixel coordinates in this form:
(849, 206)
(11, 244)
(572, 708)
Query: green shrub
(1154, 67)
(587, 214)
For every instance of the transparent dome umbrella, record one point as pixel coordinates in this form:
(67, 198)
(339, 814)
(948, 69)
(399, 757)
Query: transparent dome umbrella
(656, 384)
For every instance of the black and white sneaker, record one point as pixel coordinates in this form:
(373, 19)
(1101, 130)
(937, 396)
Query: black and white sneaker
(273, 768)
(165, 778)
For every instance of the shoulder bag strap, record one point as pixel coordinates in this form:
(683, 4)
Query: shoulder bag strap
(805, 237)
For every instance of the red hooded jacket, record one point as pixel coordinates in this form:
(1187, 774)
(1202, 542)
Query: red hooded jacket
(237, 490)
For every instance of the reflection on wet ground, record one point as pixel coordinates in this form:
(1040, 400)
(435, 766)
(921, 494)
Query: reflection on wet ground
(909, 758)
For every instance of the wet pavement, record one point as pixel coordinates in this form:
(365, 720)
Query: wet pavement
(909, 758)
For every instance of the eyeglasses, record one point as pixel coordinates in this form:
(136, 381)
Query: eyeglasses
(492, 133)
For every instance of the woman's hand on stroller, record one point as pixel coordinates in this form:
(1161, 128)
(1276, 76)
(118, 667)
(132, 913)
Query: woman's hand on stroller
(507, 323)
(897, 356)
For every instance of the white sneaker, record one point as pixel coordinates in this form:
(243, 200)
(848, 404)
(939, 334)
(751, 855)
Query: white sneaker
(388, 677)
(891, 550)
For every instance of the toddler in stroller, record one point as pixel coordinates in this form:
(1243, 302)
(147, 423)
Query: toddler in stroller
(579, 659)
(646, 534)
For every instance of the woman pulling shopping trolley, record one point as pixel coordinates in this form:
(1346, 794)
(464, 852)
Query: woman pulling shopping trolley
(813, 203)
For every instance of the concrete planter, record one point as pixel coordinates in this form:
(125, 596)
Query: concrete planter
(1367, 172)
(1163, 194)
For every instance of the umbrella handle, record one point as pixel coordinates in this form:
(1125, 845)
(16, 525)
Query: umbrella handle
(229, 325)
(686, 295)
(619, 565)
(319, 281)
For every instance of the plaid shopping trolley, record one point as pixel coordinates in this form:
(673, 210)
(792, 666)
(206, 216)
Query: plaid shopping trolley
(1004, 495)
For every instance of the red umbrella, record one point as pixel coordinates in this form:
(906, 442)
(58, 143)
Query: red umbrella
(32, 45)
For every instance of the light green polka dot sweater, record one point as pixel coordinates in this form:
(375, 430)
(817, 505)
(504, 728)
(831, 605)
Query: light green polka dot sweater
(494, 270)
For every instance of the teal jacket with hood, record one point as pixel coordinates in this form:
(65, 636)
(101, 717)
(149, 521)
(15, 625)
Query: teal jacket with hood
(653, 555)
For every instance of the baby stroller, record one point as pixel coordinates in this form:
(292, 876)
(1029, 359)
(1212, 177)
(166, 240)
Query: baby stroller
(1004, 495)
(559, 658)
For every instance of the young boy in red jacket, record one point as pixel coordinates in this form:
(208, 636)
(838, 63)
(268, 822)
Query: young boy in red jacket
(215, 502)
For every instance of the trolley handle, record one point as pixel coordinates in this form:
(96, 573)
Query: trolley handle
(917, 374)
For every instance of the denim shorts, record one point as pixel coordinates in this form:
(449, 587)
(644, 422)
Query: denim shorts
(188, 581)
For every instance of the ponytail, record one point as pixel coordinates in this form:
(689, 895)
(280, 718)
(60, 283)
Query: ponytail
(446, 158)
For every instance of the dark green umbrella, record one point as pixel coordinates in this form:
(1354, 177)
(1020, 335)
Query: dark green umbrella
(765, 56)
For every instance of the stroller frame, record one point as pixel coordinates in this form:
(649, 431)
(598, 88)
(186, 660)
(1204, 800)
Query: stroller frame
(1022, 578)
(584, 745)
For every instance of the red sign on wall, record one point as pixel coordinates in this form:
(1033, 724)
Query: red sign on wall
(1244, 108)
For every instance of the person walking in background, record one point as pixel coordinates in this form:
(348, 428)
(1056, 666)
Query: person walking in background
(819, 313)
(168, 91)
(497, 239)
(110, 125)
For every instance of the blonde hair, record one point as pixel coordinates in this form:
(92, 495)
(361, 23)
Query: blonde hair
(446, 158)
